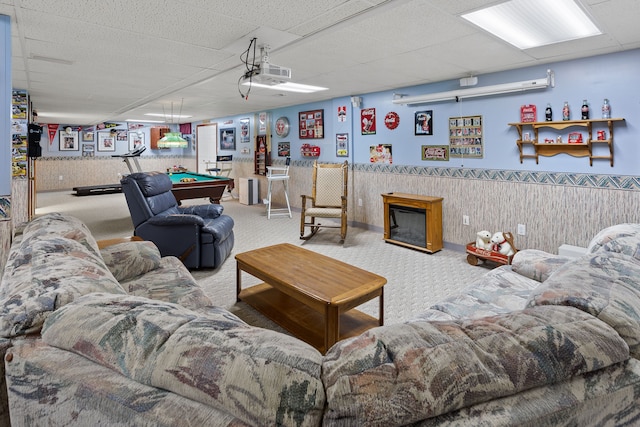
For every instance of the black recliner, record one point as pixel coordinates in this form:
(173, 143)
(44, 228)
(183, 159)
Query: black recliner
(200, 236)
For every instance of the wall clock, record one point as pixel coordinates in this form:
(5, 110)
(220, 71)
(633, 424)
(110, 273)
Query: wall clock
(282, 127)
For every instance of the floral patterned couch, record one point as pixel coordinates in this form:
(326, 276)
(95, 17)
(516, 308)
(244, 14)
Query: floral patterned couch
(121, 336)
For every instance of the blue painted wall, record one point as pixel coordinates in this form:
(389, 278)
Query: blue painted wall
(612, 76)
(5, 106)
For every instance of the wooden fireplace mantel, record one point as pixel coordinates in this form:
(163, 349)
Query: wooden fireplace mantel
(433, 217)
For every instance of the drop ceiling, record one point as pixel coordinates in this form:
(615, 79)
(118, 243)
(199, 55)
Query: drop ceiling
(86, 62)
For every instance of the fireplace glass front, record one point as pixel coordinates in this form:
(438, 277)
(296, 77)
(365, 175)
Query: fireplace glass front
(408, 225)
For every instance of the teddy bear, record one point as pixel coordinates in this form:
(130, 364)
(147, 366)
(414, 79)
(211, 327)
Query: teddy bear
(483, 240)
(503, 242)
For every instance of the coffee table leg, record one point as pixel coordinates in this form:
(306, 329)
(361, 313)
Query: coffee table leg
(381, 310)
(332, 329)
(238, 281)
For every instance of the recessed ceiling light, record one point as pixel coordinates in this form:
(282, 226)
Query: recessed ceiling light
(527, 24)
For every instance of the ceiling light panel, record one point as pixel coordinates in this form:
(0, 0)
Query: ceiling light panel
(527, 24)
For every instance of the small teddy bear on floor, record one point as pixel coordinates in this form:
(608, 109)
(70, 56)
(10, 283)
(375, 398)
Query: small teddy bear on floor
(503, 243)
(483, 240)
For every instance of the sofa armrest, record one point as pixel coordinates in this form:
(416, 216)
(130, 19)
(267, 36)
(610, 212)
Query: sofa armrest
(536, 264)
(210, 211)
(173, 220)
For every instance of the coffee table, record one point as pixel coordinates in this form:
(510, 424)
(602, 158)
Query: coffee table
(310, 295)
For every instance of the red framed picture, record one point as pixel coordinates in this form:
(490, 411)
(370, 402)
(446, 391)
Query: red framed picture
(311, 124)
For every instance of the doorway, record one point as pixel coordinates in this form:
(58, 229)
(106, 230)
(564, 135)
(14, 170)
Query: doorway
(206, 146)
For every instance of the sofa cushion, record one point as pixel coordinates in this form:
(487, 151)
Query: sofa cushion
(603, 284)
(536, 264)
(131, 259)
(45, 274)
(495, 292)
(170, 282)
(259, 376)
(405, 373)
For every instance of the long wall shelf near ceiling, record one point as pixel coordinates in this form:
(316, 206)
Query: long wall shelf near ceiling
(583, 149)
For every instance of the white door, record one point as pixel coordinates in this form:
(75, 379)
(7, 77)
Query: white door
(207, 146)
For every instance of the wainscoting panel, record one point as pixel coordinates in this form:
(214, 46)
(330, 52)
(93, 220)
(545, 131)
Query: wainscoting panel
(556, 208)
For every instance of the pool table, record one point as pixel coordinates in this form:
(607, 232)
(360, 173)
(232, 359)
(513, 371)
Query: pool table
(204, 186)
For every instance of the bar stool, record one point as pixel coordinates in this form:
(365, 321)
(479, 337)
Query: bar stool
(278, 173)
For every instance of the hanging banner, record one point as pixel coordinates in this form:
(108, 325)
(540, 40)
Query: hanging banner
(368, 121)
(52, 129)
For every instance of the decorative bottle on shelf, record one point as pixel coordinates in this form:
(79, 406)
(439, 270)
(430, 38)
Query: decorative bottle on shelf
(606, 109)
(585, 110)
(566, 113)
(548, 113)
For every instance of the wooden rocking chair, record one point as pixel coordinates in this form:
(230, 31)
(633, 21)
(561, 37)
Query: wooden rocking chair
(328, 199)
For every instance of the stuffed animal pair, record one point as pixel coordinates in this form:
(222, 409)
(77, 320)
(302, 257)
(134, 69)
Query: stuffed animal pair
(501, 242)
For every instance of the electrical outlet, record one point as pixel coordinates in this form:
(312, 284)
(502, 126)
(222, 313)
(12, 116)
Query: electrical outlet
(359, 202)
(522, 229)
(465, 219)
(60, 178)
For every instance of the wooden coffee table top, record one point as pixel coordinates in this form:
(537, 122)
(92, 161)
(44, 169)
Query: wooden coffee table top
(311, 295)
(323, 279)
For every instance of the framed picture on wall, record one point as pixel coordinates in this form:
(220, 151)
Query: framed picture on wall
(106, 141)
(136, 140)
(342, 145)
(424, 122)
(69, 140)
(311, 124)
(228, 139)
(87, 136)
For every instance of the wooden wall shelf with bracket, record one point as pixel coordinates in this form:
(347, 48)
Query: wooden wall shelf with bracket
(584, 149)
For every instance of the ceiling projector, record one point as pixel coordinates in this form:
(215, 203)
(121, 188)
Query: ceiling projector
(269, 74)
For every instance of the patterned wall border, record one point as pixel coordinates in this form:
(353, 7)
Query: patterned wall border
(78, 158)
(611, 182)
(617, 182)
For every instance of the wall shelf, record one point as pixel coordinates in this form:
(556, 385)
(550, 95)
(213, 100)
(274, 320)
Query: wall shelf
(584, 149)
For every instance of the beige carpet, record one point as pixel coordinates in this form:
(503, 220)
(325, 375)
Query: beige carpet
(415, 280)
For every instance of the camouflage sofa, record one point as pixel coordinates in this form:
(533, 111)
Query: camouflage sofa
(546, 341)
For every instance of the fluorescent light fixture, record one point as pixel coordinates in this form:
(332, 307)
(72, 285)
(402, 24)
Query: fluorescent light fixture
(172, 116)
(527, 24)
(285, 86)
(458, 94)
(144, 121)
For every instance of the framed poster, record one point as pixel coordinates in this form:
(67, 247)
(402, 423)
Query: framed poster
(228, 139)
(342, 145)
(106, 141)
(368, 121)
(465, 137)
(424, 122)
(244, 131)
(136, 140)
(311, 124)
(88, 150)
(284, 149)
(380, 153)
(69, 140)
(87, 136)
(435, 152)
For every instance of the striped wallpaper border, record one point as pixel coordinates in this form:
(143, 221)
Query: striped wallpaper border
(585, 180)
(617, 182)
